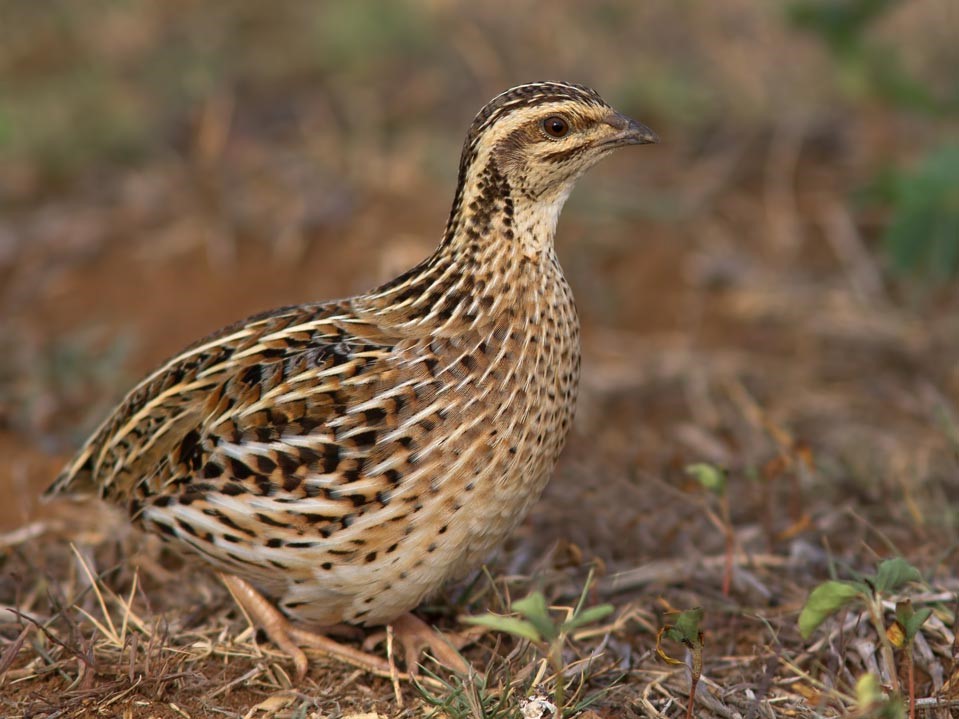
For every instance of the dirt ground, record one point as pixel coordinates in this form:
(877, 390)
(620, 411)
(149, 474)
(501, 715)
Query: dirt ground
(737, 312)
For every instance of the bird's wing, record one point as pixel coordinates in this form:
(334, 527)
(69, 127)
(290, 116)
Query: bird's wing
(289, 373)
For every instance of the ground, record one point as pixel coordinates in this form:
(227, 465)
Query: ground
(738, 314)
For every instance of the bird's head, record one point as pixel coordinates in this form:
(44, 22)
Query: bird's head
(542, 136)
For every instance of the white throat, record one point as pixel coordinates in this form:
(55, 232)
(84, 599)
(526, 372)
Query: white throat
(536, 220)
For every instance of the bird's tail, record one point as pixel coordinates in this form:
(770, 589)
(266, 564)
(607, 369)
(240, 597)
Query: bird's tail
(76, 478)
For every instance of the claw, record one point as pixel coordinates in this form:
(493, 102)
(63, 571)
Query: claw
(290, 639)
(414, 635)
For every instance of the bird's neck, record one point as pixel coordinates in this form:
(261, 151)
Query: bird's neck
(497, 249)
(488, 210)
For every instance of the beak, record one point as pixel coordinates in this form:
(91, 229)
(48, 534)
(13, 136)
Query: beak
(629, 131)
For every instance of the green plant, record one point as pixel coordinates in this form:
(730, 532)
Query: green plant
(685, 629)
(923, 237)
(474, 696)
(891, 575)
(901, 634)
(548, 634)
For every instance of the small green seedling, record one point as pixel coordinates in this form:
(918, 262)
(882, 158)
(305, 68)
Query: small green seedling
(487, 695)
(685, 630)
(537, 625)
(891, 575)
(901, 634)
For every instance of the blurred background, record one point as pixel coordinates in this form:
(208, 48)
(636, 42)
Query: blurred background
(770, 290)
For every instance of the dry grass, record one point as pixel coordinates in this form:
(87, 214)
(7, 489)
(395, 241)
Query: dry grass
(735, 309)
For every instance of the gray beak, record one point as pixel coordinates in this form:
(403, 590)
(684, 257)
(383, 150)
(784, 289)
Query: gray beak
(629, 131)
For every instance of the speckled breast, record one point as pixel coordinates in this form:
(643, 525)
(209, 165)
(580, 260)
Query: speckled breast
(504, 394)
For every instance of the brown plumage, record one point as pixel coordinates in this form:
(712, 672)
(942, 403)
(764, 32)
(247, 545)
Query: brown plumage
(348, 457)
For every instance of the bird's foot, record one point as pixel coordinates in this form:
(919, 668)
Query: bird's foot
(290, 639)
(415, 635)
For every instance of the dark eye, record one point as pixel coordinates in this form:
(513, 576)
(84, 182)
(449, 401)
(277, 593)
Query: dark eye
(555, 126)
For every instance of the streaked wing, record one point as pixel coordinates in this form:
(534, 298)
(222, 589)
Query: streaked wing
(273, 376)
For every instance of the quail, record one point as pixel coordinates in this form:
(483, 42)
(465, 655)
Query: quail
(337, 462)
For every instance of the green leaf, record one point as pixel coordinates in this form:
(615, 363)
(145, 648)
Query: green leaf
(918, 619)
(910, 619)
(824, 601)
(686, 627)
(588, 616)
(893, 573)
(534, 608)
(508, 625)
(709, 476)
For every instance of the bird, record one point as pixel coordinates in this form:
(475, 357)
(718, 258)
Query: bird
(337, 462)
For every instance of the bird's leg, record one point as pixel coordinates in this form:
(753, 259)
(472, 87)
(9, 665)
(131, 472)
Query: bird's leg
(289, 639)
(415, 635)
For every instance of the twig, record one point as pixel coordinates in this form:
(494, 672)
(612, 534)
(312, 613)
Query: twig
(10, 653)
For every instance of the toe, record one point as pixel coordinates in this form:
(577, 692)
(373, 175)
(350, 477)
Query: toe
(415, 635)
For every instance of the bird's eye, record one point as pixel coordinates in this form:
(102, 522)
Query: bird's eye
(555, 126)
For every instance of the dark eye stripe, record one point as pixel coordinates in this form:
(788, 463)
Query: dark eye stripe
(564, 155)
